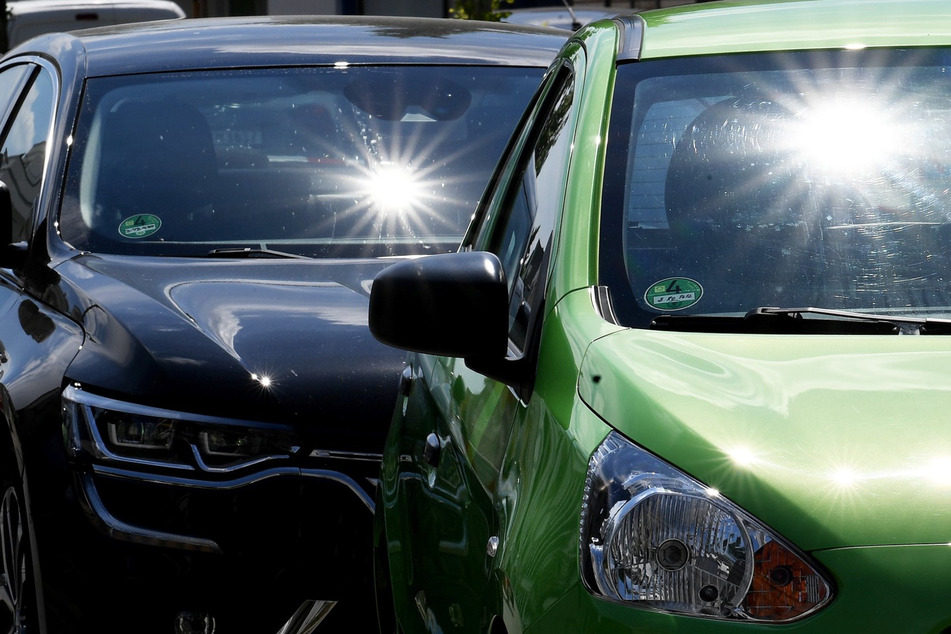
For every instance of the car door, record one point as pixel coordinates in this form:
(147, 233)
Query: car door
(36, 341)
(455, 422)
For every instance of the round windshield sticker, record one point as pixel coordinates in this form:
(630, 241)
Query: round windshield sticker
(140, 226)
(674, 293)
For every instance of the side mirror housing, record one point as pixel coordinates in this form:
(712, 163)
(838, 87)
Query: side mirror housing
(453, 304)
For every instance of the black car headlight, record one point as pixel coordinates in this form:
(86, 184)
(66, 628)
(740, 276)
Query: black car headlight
(653, 537)
(113, 431)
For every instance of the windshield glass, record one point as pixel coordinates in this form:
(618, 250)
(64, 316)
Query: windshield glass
(814, 179)
(320, 162)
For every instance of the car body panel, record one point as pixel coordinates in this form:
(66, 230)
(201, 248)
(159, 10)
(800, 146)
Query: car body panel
(885, 575)
(742, 26)
(837, 443)
(261, 341)
(181, 317)
(798, 434)
(308, 40)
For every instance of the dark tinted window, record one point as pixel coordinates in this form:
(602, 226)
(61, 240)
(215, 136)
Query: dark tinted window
(23, 154)
(817, 179)
(344, 162)
(521, 236)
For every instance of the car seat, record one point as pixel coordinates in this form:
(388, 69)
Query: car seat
(740, 208)
(154, 158)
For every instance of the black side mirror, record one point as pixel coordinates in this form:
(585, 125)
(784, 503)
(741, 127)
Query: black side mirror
(453, 304)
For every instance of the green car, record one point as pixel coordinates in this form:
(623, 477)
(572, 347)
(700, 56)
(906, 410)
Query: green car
(666, 385)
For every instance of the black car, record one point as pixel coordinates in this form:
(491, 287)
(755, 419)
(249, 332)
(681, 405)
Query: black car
(192, 212)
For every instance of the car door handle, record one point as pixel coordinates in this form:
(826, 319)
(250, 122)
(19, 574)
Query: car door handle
(431, 450)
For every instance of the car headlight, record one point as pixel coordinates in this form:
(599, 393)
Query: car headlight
(117, 431)
(653, 537)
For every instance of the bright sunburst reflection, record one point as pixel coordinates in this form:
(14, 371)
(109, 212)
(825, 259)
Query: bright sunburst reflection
(938, 472)
(844, 478)
(394, 187)
(742, 456)
(263, 380)
(847, 134)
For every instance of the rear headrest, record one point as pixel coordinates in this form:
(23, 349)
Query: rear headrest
(730, 171)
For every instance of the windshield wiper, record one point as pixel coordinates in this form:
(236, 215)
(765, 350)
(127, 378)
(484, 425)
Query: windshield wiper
(248, 252)
(773, 320)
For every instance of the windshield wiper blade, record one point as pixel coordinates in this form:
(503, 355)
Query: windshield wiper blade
(905, 325)
(248, 252)
(784, 321)
(774, 320)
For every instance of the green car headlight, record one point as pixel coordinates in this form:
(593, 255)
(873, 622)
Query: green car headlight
(653, 537)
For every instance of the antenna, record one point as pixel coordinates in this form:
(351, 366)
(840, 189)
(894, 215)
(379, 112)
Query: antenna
(575, 24)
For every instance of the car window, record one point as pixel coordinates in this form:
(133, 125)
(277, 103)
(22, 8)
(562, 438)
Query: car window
(820, 180)
(521, 235)
(332, 162)
(11, 81)
(24, 149)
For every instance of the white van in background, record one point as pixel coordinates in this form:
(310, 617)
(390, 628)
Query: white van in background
(29, 18)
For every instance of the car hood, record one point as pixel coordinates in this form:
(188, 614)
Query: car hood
(832, 441)
(267, 340)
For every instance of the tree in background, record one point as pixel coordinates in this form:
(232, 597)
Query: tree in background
(480, 10)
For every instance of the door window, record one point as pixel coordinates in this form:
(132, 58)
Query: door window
(521, 235)
(23, 153)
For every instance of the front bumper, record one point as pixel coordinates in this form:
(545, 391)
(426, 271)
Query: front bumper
(157, 539)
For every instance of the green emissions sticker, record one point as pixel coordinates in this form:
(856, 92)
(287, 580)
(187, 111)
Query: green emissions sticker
(674, 293)
(140, 226)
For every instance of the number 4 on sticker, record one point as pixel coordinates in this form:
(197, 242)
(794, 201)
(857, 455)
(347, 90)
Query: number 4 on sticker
(673, 293)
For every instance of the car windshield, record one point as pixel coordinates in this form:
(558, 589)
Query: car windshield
(816, 179)
(345, 161)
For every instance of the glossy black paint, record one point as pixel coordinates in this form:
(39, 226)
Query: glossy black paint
(170, 332)
(198, 335)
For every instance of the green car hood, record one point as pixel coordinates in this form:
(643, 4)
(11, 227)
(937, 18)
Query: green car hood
(833, 441)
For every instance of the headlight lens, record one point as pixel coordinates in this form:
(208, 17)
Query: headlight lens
(654, 537)
(117, 431)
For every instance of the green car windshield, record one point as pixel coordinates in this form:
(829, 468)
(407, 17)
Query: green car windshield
(346, 161)
(818, 179)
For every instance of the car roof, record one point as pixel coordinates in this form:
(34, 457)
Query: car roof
(22, 7)
(170, 45)
(737, 26)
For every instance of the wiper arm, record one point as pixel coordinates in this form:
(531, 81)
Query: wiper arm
(768, 319)
(248, 252)
(905, 325)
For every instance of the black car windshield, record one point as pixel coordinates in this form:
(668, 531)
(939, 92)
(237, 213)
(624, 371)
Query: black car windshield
(346, 161)
(819, 179)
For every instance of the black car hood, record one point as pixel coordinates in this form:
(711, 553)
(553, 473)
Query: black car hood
(268, 340)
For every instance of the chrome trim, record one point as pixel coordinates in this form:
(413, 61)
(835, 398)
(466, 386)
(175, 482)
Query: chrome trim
(102, 450)
(352, 456)
(77, 395)
(631, 40)
(117, 529)
(234, 483)
(601, 300)
(84, 401)
(196, 454)
(307, 617)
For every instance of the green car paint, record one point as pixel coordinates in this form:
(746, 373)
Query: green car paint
(837, 444)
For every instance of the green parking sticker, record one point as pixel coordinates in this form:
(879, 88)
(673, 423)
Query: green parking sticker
(140, 226)
(673, 293)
